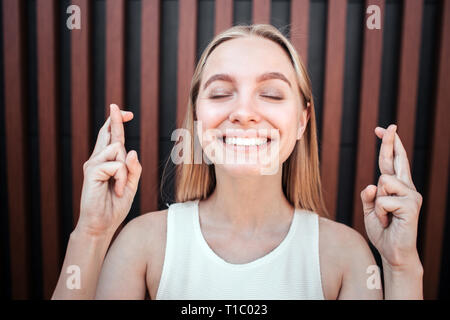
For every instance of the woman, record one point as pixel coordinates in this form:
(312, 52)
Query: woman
(237, 232)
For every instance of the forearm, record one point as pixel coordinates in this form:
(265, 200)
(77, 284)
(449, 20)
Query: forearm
(86, 253)
(403, 283)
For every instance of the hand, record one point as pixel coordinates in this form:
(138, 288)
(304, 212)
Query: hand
(111, 178)
(391, 209)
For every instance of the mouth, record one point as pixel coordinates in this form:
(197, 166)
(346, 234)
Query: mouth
(258, 148)
(244, 143)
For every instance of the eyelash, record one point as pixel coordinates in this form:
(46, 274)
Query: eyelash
(266, 96)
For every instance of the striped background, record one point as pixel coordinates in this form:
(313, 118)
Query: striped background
(56, 84)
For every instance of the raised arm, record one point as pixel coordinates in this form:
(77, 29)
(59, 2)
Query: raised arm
(391, 214)
(111, 179)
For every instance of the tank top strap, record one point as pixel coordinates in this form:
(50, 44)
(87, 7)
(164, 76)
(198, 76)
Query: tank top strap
(306, 246)
(307, 225)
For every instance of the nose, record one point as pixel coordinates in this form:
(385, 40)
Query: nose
(244, 112)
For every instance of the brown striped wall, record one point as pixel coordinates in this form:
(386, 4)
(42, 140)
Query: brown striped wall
(56, 85)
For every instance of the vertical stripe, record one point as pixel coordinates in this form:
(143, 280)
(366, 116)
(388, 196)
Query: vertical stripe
(439, 163)
(150, 37)
(48, 142)
(187, 37)
(223, 15)
(368, 113)
(409, 73)
(333, 98)
(115, 53)
(261, 11)
(300, 27)
(14, 93)
(80, 101)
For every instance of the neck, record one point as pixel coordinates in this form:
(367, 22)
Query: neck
(249, 204)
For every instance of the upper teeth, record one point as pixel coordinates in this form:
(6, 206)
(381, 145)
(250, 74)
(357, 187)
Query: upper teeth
(246, 141)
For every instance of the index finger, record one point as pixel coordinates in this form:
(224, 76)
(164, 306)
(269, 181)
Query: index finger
(104, 135)
(400, 159)
(386, 157)
(117, 130)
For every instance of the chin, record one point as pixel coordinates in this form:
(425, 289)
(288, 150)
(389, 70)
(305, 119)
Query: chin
(247, 170)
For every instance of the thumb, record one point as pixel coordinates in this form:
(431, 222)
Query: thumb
(134, 169)
(368, 198)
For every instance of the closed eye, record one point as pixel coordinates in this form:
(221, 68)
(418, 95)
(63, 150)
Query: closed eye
(264, 96)
(220, 96)
(272, 97)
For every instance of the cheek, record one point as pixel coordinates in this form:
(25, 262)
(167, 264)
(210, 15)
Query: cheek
(286, 121)
(208, 120)
(210, 116)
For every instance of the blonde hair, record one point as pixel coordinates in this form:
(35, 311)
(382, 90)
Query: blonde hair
(300, 172)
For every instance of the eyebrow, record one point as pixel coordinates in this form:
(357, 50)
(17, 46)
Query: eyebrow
(263, 77)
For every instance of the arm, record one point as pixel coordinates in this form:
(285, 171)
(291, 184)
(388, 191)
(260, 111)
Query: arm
(87, 252)
(124, 269)
(391, 214)
(361, 279)
(403, 282)
(111, 177)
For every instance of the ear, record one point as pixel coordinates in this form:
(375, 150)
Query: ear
(304, 118)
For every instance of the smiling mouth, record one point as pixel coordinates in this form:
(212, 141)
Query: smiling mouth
(245, 142)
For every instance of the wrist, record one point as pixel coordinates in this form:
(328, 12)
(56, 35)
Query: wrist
(84, 228)
(86, 234)
(403, 281)
(410, 266)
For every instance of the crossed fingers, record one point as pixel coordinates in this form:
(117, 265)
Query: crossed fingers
(110, 146)
(112, 130)
(393, 159)
(396, 192)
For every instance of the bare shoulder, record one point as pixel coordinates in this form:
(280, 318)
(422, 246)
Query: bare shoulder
(142, 233)
(339, 235)
(344, 258)
(342, 243)
(130, 256)
(149, 228)
(150, 219)
(154, 227)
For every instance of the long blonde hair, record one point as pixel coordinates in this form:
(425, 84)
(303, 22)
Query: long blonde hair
(300, 176)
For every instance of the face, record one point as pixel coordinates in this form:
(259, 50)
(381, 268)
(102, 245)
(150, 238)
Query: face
(249, 108)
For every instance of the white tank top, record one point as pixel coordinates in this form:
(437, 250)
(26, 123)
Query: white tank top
(192, 270)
